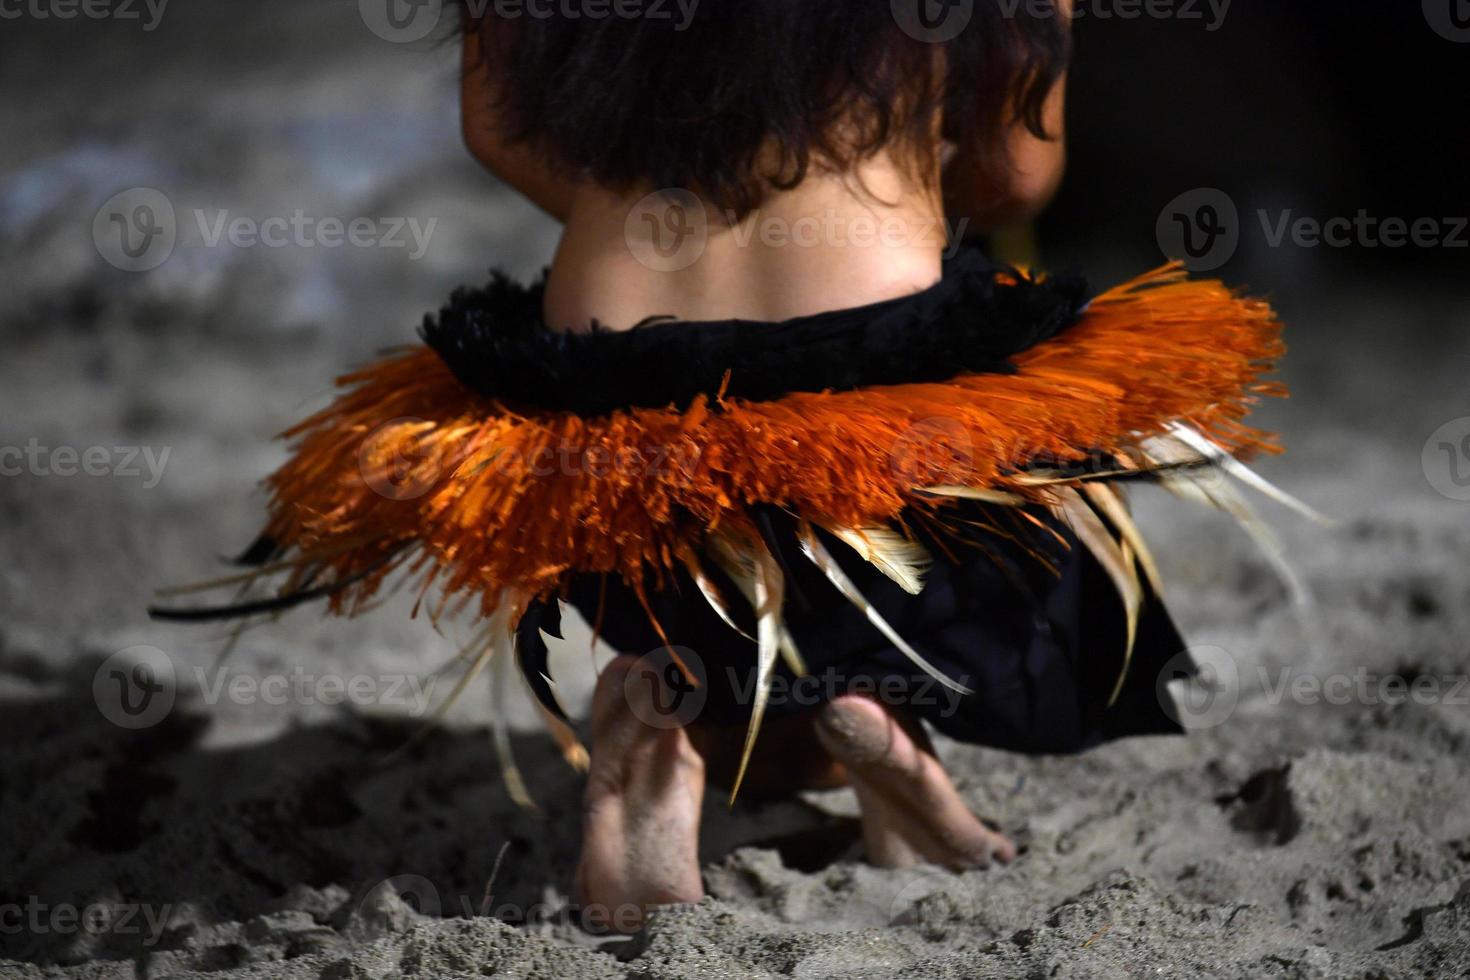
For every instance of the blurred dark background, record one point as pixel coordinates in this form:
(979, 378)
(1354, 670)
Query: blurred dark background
(1299, 110)
(1323, 108)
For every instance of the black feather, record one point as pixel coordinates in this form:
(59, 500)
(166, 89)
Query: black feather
(241, 610)
(531, 651)
(495, 341)
(262, 550)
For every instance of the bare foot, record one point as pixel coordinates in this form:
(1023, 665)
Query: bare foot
(912, 813)
(640, 811)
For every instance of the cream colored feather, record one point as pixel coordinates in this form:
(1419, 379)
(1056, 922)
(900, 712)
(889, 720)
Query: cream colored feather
(1219, 494)
(900, 558)
(1226, 498)
(770, 590)
(1197, 441)
(1052, 478)
(1116, 561)
(712, 593)
(740, 566)
(998, 497)
(503, 656)
(1107, 500)
(812, 547)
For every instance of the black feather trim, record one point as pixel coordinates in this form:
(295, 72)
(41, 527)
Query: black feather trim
(262, 551)
(243, 610)
(495, 341)
(532, 652)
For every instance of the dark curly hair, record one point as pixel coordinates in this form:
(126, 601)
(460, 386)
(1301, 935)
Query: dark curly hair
(732, 98)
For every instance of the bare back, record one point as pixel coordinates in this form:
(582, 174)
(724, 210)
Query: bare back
(837, 240)
(834, 241)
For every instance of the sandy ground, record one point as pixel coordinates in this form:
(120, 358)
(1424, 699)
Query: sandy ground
(232, 836)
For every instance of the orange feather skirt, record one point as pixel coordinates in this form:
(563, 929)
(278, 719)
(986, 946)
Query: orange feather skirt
(442, 465)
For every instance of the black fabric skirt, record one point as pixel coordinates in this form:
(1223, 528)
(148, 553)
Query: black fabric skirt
(1036, 631)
